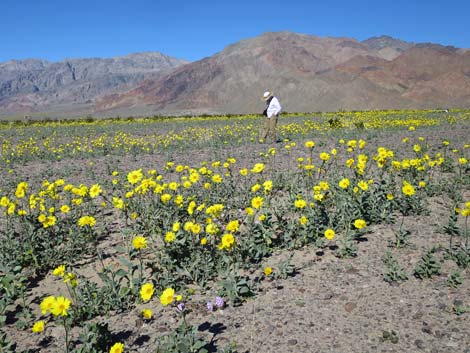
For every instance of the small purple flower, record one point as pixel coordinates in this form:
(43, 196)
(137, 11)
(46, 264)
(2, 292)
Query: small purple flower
(219, 302)
(180, 307)
(210, 306)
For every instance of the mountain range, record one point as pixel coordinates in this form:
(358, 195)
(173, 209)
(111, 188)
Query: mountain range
(307, 73)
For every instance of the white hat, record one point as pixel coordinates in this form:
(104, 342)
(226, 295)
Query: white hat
(267, 95)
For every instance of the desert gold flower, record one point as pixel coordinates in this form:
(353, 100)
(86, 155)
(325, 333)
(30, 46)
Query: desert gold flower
(135, 176)
(232, 226)
(329, 234)
(257, 202)
(59, 271)
(325, 156)
(139, 242)
(60, 306)
(170, 237)
(87, 221)
(227, 241)
(267, 271)
(167, 296)
(95, 190)
(344, 183)
(146, 291)
(204, 241)
(38, 326)
(359, 223)
(303, 220)
(310, 144)
(300, 203)
(147, 314)
(117, 348)
(257, 168)
(408, 189)
(244, 172)
(47, 304)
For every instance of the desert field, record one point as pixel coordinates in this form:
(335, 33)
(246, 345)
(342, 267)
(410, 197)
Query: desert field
(349, 234)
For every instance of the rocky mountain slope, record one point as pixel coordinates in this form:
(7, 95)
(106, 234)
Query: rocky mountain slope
(72, 85)
(308, 73)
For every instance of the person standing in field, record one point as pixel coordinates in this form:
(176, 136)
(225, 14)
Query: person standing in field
(273, 108)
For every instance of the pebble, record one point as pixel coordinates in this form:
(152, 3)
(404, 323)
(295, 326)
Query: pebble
(420, 344)
(292, 342)
(350, 306)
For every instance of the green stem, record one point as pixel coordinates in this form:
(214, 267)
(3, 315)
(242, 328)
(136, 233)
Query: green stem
(66, 336)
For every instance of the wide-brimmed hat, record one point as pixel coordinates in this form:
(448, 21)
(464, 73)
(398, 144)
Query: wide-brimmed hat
(267, 95)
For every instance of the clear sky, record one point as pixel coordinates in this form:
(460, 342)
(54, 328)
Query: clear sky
(191, 30)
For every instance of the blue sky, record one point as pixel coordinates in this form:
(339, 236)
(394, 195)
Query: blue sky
(191, 30)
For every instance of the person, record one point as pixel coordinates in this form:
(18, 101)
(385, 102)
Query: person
(273, 108)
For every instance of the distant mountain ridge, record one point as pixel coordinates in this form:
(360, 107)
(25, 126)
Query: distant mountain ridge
(72, 85)
(307, 73)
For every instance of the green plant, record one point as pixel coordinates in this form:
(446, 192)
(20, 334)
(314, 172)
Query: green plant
(285, 268)
(94, 338)
(394, 272)
(183, 339)
(427, 266)
(235, 287)
(454, 280)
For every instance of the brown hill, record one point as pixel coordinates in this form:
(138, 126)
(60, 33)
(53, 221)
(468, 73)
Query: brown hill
(308, 73)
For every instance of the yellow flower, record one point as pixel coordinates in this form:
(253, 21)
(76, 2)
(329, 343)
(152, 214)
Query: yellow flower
(146, 291)
(324, 156)
(195, 228)
(139, 242)
(310, 144)
(359, 223)
(70, 277)
(249, 211)
(87, 221)
(117, 348)
(232, 226)
(38, 326)
(176, 226)
(204, 241)
(64, 209)
(167, 296)
(47, 304)
(60, 306)
(344, 183)
(422, 184)
(216, 178)
(147, 314)
(363, 185)
(135, 176)
(118, 203)
(165, 198)
(267, 271)
(257, 202)
(59, 271)
(257, 168)
(303, 220)
(300, 203)
(243, 172)
(255, 188)
(329, 234)
(212, 228)
(227, 241)
(170, 237)
(95, 190)
(261, 217)
(390, 197)
(408, 189)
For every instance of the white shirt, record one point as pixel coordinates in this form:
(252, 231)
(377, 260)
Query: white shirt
(274, 107)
